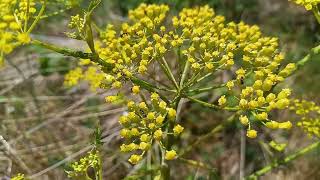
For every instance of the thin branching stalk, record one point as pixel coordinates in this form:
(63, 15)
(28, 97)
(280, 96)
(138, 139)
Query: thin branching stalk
(167, 70)
(35, 22)
(206, 89)
(218, 128)
(196, 163)
(284, 161)
(307, 58)
(184, 73)
(212, 105)
(316, 13)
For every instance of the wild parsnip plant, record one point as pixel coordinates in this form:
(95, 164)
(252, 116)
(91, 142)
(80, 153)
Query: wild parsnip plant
(188, 50)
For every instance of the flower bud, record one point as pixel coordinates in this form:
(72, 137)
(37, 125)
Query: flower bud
(262, 116)
(251, 133)
(158, 134)
(284, 93)
(272, 125)
(222, 100)
(270, 97)
(282, 103)
(285, 125)
(136, 89)
(145, 138)
(177, 130)
(243, 103)
(267, 85)
(170, 155)
(134, 159)
(244, 120)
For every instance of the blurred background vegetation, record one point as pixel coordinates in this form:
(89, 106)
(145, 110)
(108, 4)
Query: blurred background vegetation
(49, 125)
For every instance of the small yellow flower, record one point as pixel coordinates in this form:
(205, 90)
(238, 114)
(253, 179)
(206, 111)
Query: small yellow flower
(23, 38)
(243, 103)
(170, 155)
(135, 159)
(151, 115)
(177, 130)
(172, 113)
(244, 120)
(230, 85)
(163, 105)
(143, 105)
(136, 89)
(144, 146)
(262, 116)
(159, 120)
(145, 138)
(111, 99)
(222, 100)
(158, 134)
(272, 125)
(285, 125)
(251, 133)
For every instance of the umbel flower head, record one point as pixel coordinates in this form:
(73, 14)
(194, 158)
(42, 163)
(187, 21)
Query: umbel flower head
(206, 45)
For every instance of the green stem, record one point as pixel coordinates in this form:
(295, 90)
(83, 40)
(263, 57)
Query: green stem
(316, 13)
(303, 61)
(26, 17)
(38, 17)
(212, 105)
(99, 174)
(89, 35)
(203, 77)
(184, 73)
(206, 89)
(73, 53)
(287, 159)
(208, 135)
(195, 163)
(79, 54)
(170, 75)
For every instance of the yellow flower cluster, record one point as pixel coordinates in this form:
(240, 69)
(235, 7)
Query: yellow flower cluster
(90, 73)
(254, 102)
(145, 124)
(80, 168)
(309, 113)
(139, 43)
(308, 4)
(209, 45)
(14, 15)
(77, 24)
(130, 51)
